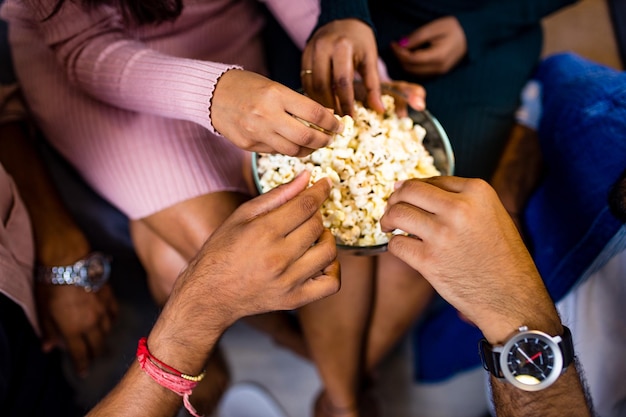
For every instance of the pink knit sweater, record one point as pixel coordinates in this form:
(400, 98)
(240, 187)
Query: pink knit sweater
(129, 107)
(17, 253)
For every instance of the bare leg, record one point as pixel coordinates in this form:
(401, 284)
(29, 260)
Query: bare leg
(284, 330)
(402, 294)
(161, 262)
(335, 330)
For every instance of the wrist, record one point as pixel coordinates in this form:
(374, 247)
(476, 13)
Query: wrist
(64, 247)
(179, 348)
(186, 333)
(499, 330)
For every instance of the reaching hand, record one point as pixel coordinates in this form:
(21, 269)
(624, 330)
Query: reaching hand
(464, 243)
(256, 114)
(76, 320)
(433, 49)
(272, 253)
(334, 54)
(405, 94)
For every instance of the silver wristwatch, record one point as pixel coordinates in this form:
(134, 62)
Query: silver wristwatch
(530, 360)
(90, 273)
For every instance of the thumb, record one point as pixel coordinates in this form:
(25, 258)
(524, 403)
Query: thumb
(278, 196)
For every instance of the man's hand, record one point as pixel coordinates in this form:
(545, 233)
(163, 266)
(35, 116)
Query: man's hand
(465, 244)
(433, 49)
(257, 114)
(76, 320)
(272, 253)
(333, 55)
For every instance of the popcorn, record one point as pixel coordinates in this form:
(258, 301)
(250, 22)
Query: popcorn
(363, 162)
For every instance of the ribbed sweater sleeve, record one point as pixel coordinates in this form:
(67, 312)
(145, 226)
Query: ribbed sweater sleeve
(501, 19)
(101, 59)
(343, 9)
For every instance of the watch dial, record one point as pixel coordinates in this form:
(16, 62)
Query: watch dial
(531, 360)
(97, 271)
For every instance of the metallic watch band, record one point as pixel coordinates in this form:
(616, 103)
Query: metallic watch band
(81, 273)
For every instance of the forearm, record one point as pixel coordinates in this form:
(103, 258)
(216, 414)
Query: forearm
(138, 395)
(518, 170)
(135, 77)
(51, 221)
(97, 54)
(566, 397)
(182, 338)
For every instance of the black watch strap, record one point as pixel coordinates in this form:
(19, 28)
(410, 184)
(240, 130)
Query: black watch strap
(491, 359)
(567, 347)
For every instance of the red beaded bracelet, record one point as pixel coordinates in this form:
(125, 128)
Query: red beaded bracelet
(168, 377)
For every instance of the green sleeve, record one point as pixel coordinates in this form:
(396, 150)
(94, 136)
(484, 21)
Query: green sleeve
(502, 19)
(343, 9)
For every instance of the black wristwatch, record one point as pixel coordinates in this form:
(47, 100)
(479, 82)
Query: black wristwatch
(90, 273)
(530, 360)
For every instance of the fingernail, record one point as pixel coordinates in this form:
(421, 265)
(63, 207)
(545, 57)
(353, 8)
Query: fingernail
(404, 42)
(420, 104)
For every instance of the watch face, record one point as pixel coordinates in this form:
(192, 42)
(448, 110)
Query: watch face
(531, 360)
(96, 272)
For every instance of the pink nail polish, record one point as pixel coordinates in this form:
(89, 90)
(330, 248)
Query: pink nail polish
(404, 42)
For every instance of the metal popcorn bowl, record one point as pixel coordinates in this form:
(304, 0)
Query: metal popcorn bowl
(436, 142)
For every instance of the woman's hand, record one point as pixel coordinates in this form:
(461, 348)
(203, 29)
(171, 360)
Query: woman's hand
(334, 54)
(405, 95)
(433, 49)
(257, 114)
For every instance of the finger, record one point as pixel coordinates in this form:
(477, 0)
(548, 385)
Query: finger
(343, 77)
(323, 285)
(78, 351)
(316, 274)
(371, 81)
(430, 194)
(306, 234)
(321, 118)
(315, 259)
(284, 140)
(275, 197)
(300, 208)
(415, 95)
(408, 218)
(94, 338)
(408, 249)
(106, 322)
(110, 302)
(306, 133)
(421, 37)
(425, 58)
(316, 76)
(405, 93)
